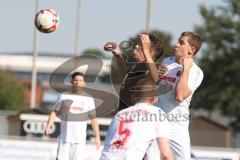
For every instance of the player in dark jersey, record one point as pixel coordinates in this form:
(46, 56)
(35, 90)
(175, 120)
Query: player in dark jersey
(128, 73)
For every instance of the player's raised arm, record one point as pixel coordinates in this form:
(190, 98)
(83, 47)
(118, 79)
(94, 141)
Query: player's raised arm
(152, 74)
(151, 54)
(182, 88)
(121, 60)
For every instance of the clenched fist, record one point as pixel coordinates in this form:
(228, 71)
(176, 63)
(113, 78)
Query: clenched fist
(112, 47)
(162, 69)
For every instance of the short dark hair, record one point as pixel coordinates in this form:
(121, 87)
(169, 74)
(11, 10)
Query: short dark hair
(157, 46)
(77, 74)
(194, 40)
(144, 89)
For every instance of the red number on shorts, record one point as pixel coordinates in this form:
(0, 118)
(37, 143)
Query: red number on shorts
(119, 144)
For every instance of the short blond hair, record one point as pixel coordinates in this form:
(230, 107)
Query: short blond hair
(194, 40)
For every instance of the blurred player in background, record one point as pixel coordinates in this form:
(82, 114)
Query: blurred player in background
(133, 129)
(73, 132)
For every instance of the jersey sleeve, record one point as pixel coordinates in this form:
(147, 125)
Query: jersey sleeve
(195, 79)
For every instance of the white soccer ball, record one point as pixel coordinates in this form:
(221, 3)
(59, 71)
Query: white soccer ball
(46, 20)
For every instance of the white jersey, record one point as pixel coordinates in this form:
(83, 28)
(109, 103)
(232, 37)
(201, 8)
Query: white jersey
(167, 101)
(132, 130)
(178, 112)
(74, 131)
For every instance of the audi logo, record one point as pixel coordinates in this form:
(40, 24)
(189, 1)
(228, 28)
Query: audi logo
(37, 127)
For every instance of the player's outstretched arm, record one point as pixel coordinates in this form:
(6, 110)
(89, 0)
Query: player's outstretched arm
(163, 145)
(50, 122)
(95, 127)
(121, 61)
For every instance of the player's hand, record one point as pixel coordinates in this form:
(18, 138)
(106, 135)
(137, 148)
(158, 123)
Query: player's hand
(145, 42)
(187, 62)
(97, 142)
(162, 69)
(112, 47)
(48, 131)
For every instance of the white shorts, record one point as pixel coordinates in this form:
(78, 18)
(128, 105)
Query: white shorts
(179, 137)
(70, 151)
(180, 151)
(122, 155)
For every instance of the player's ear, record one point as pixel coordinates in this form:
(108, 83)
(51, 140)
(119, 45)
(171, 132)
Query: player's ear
(192, 51)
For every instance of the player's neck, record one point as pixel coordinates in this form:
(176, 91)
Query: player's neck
(144, 101)
(77, 91)
(179, 60)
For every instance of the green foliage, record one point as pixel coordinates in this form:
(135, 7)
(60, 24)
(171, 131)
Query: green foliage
(220, 60)
(105, 78)
(11, 93)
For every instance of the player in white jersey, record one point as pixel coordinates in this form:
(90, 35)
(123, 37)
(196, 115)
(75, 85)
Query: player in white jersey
(73, 131)
(185, 77)
(133, 129)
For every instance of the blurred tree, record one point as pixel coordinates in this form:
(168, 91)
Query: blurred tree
(220, 60)
(105, 78)
(11, 93)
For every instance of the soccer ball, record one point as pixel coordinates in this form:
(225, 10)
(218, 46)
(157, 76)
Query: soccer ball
(46, 20)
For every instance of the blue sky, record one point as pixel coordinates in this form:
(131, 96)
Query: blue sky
(101, 21)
